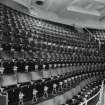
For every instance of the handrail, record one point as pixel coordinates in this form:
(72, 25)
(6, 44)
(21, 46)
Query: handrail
(90, 34)
(99, 92)
(86, 101)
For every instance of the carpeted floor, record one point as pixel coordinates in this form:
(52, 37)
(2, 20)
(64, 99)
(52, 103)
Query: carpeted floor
(102, 98)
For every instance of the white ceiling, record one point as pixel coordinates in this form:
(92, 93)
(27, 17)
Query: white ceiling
(82, 10)
(74, 8)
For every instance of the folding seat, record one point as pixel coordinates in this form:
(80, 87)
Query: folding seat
(67, 68)
(81, 69)
(45, 69)
(20, 65)
(72, 102)
(49, 83)
(35, 73)
(78, 98)
(27, 90)
(13, 94)
(88, 68)
(9, 83)
(31, 65)
(6, 47)
(46, 46)
(73, 82)
(96, 67)
(6, 38)
(8, 66)
(103, 67)
(58, 69)
(85, 67)
(53, 47)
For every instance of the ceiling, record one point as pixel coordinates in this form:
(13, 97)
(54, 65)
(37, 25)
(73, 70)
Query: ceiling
(78, 9)
(83, 10)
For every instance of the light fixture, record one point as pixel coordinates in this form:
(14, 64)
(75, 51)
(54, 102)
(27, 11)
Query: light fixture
(39, 2)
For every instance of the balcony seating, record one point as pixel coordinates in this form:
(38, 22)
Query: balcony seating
(42, 59)
(86, 93)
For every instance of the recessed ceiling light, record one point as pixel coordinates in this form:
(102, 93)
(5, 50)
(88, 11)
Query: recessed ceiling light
(39, 2)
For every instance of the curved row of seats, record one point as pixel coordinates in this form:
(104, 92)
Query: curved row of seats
(86, 93)
(50, 87)
(15, 23)
(99, 34)
(23, 65)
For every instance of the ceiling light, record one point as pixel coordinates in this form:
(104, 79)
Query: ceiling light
(40, 2)
(83, 10)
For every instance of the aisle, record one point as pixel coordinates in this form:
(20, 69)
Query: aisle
(103, 102)
(104, 96)
(98, 100)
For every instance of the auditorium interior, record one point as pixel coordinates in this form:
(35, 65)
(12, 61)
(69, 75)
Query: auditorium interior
(52, 52)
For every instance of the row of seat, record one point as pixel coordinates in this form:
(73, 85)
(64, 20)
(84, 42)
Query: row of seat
(99, 34)
(33, 45)
(13, 66)
(37, 91)
(28, 20)
(16, 25)
(86, 93)
(49, 43)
